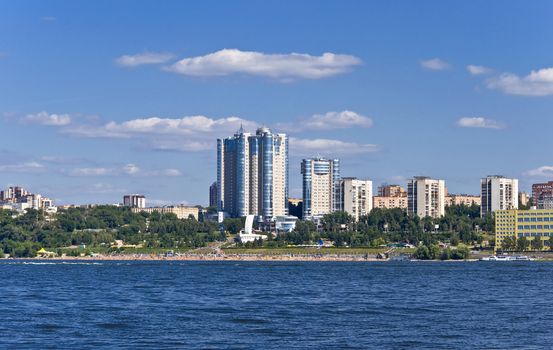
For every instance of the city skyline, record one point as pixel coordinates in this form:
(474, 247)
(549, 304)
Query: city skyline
(91, 114)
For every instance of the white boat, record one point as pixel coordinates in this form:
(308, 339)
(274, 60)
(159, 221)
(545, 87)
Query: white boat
(506, 258)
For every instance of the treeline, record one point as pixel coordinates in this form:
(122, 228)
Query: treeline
(460, 224)
(23, 235)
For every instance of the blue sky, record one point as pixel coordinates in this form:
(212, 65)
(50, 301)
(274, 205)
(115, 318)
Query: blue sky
(103, 98)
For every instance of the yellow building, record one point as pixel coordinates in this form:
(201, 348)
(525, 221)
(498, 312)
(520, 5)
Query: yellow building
(523, 223)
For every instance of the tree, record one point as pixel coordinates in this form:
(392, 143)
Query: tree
(522, 244)
(509, 243)
(537, 243)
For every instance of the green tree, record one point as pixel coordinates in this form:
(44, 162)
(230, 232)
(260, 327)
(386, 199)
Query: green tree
(522, 244)
(537, 243)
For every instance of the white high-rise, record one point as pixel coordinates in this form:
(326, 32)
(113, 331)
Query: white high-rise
(498, 193)
(355, 196)
(320, 177)
(252, 174)
(426, 197)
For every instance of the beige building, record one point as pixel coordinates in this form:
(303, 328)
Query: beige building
(498, 193)
(181, 211)
(426, 197)
(390, 202)
(391, 191)
(355, 196)
(465, 199)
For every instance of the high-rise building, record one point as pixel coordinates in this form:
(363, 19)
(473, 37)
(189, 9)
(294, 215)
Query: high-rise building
(426, 197)
(498, 193)
(355, 196)
(252, 174)
(320, 177)
(134, 201)
(213, 195)
(542, 194)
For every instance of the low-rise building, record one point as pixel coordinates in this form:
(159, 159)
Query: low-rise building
(462, 199)
(181, 211)
(516, 224)
(390, 202)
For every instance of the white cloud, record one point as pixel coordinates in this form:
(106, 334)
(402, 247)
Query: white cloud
(479, 122)
(478, 70)
(537, 83)
(337, 120)
(26, 167)
(435, 64)
(144, 58)
(45, 118)
(543, 171)
(279, 66)
(310, 147)
(125, 170)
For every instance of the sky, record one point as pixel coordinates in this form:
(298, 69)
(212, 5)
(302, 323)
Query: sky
(103, 98)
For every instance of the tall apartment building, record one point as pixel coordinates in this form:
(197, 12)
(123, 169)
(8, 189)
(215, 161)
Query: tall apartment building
(134, 201)
(213, 195)
(320, 177)
(542, 194)
(252, 174)
(498, 193)
(426, 197)
(355, 196)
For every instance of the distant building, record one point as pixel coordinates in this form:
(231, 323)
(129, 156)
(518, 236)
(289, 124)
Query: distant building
(390, 202)
(134, 201)
(252, 174)
(319, 179)
(462, 199)
(498, 193)
(18, 199)
(386, 190)
(542, 194)
(213, 195)
(426, 197)
(354, 196)
(523, 223)
(523, 198)
(181, 211)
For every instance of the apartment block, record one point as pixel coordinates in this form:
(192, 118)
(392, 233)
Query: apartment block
(498, 193)
(426, 197)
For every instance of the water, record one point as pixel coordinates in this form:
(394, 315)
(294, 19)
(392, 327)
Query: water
(284, 305)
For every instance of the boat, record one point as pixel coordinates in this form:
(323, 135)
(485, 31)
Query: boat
(506, 258)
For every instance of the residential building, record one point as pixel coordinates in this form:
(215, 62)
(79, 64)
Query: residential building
(134, 201)
(523, 223)
(355, 196)
(542, 194)
(213, 195)
(386, 190)
(462, 199)
(181, 211)
(19, 199)
(320, 177)
(426, 197)
(498, 193)
(523, 199)
(252, 174)
(390, 202)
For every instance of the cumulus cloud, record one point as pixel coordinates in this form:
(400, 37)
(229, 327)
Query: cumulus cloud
(478, 70)
(435, 64)
(45, 118)
(543, 171)
(537, 83)
(309, 147)
(479, 122)
(144, 58)
(278, 66)
(25, 167)
(337, 120)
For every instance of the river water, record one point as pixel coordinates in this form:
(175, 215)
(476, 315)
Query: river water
(276, 305)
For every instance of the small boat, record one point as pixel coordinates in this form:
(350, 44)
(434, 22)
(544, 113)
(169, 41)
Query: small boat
(506, 258)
